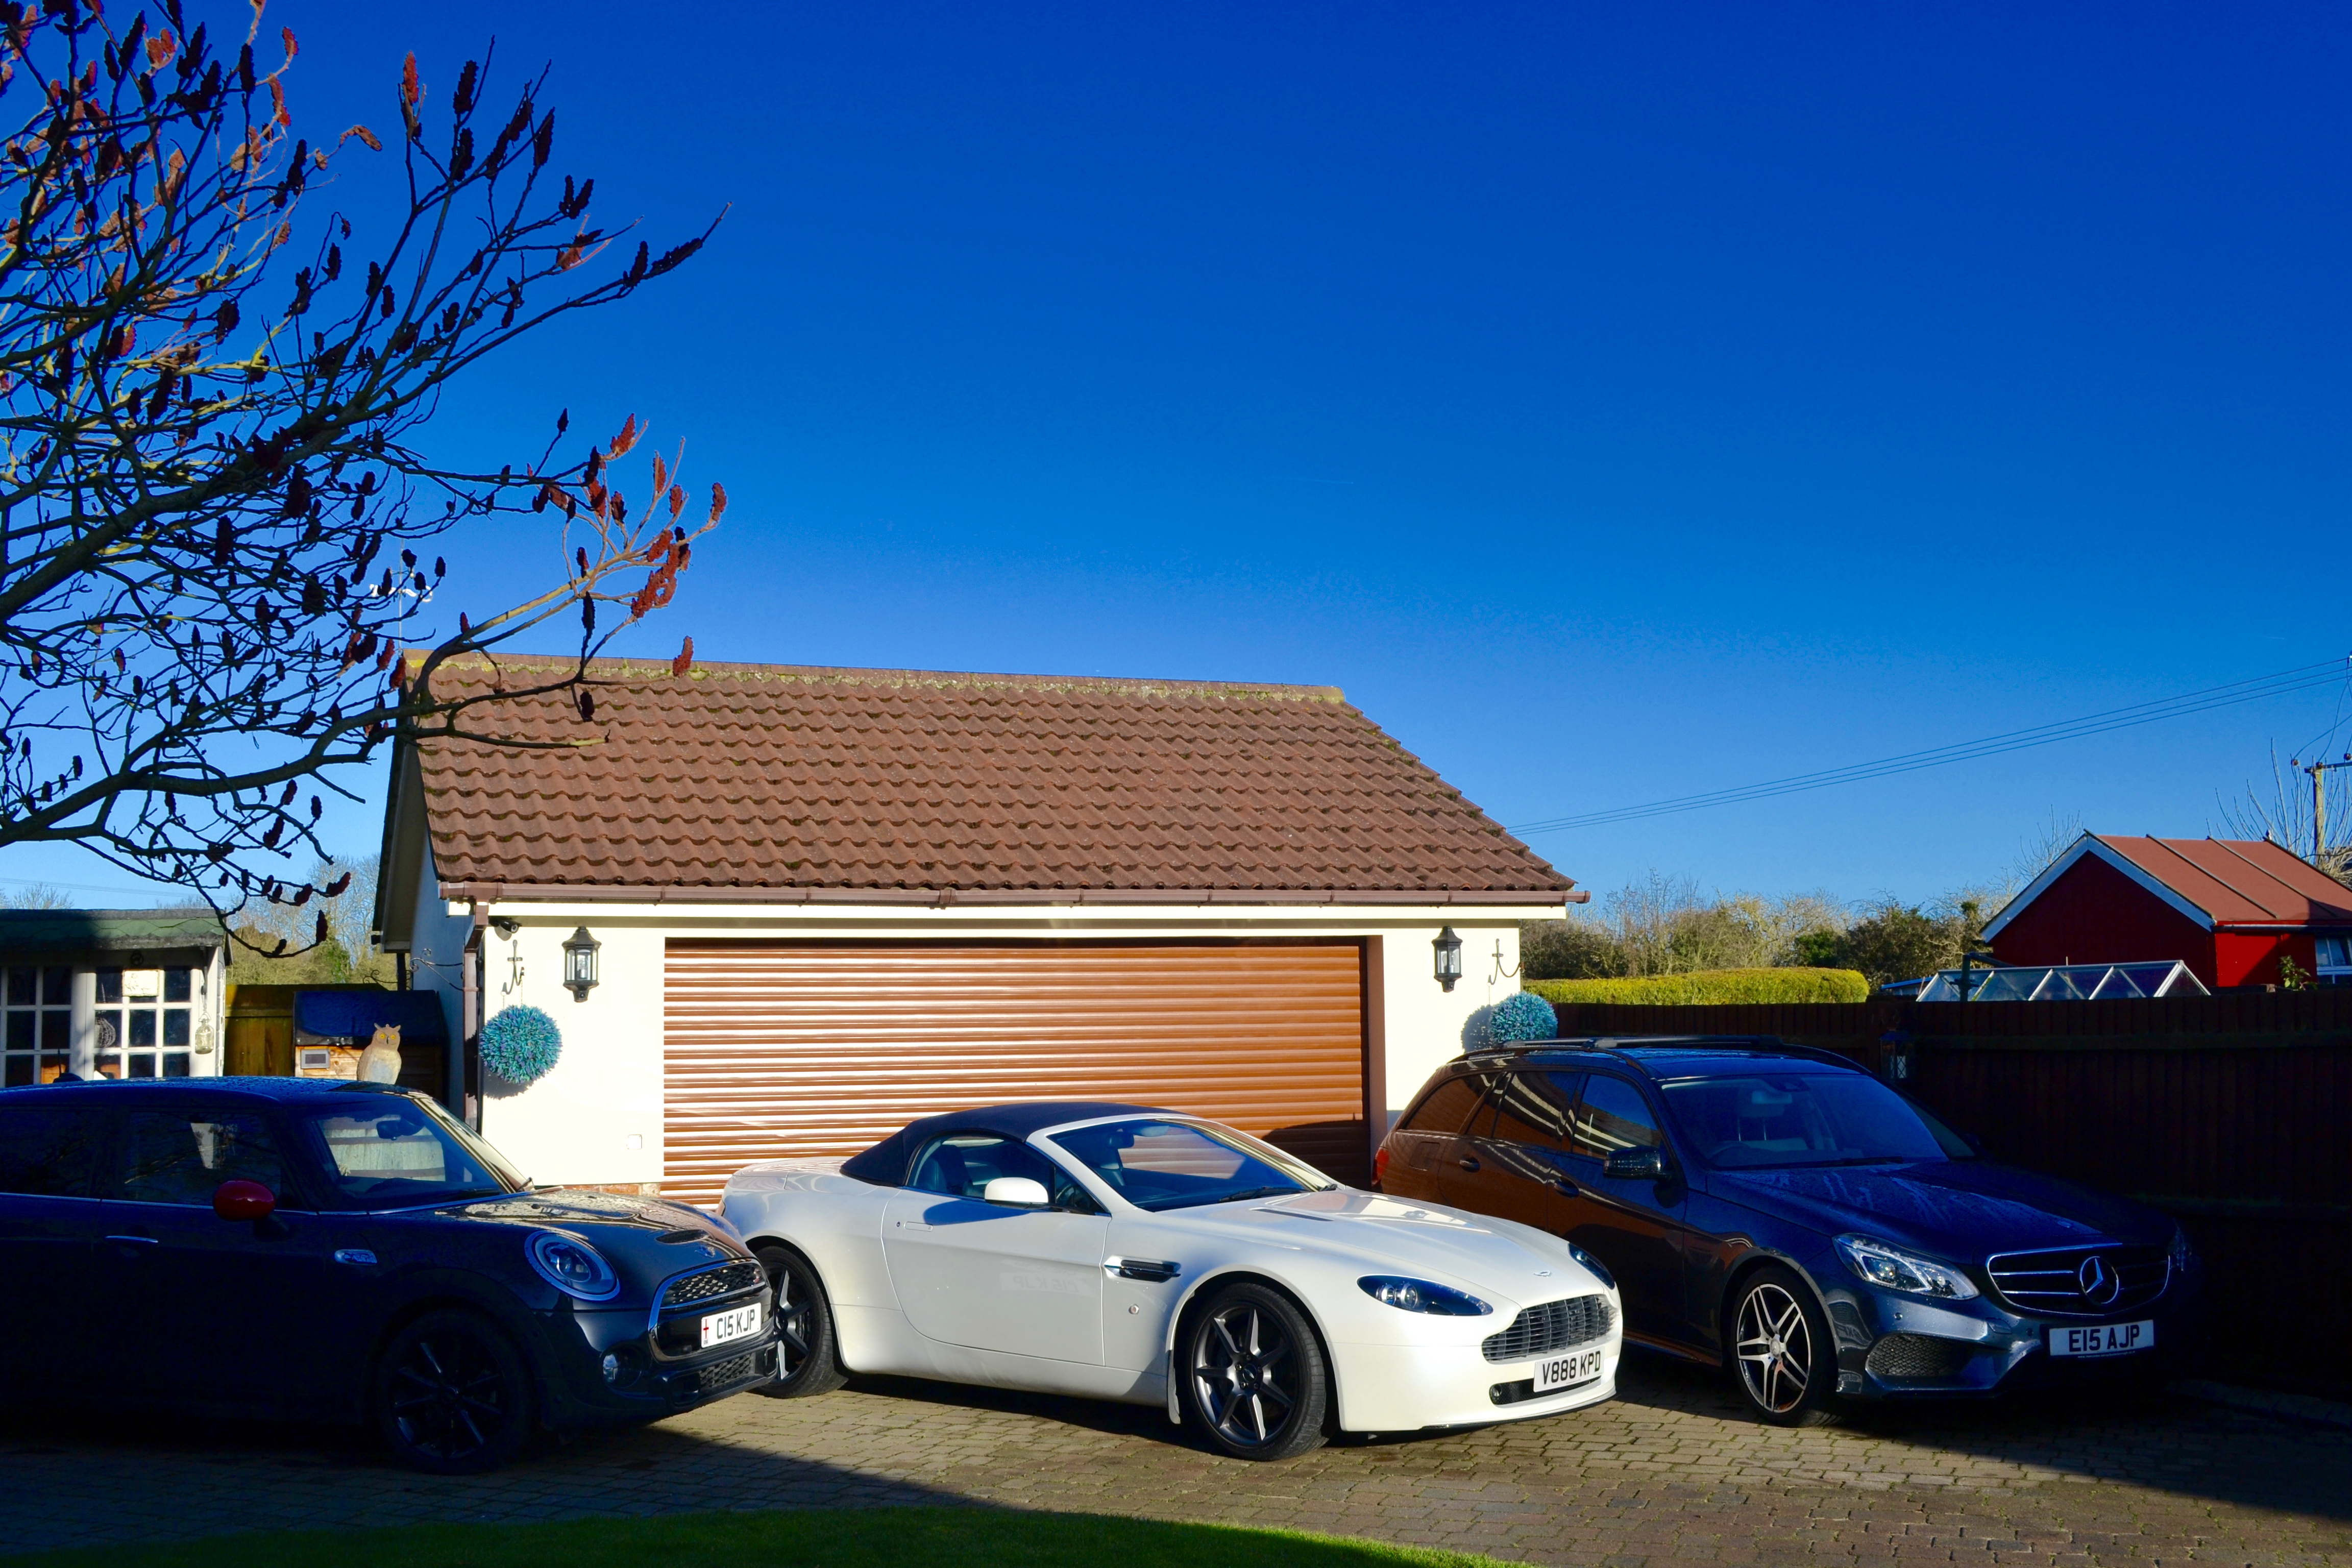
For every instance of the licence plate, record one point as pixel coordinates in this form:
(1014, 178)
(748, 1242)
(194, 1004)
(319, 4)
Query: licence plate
(2111, 1339)
(736, 1323)
(1567, 1370)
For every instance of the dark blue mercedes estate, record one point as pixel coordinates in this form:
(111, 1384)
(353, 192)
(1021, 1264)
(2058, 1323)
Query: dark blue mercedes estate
(1782, 1213)
(322, 1250)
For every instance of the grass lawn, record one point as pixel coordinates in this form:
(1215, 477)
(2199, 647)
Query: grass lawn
(815, 1538)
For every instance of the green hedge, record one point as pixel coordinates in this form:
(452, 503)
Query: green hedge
(1712, 985)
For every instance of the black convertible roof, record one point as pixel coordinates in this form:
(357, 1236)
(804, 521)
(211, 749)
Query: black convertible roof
(885, 1164)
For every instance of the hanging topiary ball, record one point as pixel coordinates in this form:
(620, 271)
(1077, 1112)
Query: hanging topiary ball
(1523, 1017)
(520, 1044)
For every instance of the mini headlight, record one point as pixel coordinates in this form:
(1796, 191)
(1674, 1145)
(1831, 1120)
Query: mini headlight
(1892, 1268)
(1422, 1296)
(572, 1267)
(1593, 1265)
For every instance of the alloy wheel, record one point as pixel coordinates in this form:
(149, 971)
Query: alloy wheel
(1244, 1368)
(792, 1323)
(1775, 1348)
(449, 1397)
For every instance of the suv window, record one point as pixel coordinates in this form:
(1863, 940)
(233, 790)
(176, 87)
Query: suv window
(1537, 1109)
(1448, 1107)
(1613, 1116)
(181, 1156)
(45, 1151)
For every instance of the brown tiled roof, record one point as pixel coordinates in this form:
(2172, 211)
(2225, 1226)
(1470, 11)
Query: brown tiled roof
(2239, 882)
(769, 779)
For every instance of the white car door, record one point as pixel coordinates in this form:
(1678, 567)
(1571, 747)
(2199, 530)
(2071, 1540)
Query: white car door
(995, 1277)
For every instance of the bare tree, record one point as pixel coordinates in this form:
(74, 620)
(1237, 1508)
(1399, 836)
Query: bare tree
(2281, 813)
(214, 510)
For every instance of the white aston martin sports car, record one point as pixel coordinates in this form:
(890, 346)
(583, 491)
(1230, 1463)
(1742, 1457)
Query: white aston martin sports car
(1123, 1253)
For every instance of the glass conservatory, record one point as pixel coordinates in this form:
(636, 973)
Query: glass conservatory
(2056, 983)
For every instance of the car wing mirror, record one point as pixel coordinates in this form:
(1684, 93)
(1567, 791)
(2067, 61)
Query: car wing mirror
(243, 1199)
(1018, 1192)
(1636, 1165)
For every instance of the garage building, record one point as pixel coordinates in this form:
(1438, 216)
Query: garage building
(818, 902)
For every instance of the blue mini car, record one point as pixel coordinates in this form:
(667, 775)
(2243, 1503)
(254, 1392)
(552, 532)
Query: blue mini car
(345, 1252)
(1782, 1213)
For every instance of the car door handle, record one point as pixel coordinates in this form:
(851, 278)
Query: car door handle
(1467, 1163)
(138, 1240)
(1568, 1189)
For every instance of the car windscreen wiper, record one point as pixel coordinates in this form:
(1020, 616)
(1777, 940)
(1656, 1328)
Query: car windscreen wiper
(1256, 1192)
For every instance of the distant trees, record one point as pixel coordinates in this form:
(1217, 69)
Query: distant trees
(1662, 925)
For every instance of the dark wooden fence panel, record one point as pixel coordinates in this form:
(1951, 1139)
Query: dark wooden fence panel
(2232, 1112)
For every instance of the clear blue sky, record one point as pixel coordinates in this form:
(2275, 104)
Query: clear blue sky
(1614, 400)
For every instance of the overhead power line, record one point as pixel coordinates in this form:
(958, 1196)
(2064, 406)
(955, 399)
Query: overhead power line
(2302, 678)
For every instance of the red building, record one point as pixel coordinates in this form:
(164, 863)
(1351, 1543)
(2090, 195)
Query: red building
(2229, 908)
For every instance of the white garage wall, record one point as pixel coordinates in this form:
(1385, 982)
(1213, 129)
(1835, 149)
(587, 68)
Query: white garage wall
(577, 1124)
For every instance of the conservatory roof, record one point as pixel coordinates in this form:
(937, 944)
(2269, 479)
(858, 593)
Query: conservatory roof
(2056, 983)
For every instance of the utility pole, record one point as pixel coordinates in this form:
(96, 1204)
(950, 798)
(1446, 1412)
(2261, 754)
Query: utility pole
(2318, 771)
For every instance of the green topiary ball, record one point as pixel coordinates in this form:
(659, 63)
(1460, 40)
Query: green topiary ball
(1524, 1017)
(520, 1044)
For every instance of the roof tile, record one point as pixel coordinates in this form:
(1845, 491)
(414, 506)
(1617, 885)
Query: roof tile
(782, 776)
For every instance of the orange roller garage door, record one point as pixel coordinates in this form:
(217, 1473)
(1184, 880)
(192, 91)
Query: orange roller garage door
(774, 1048)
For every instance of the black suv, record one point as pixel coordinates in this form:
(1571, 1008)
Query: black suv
(1782, 1212)
(320, 1250)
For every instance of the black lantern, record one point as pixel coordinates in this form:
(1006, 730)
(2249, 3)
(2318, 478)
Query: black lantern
(1449, 957)
(580, 963)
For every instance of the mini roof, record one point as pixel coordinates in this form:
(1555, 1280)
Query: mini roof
(885, 1164)
(1685, 1056)
(261, 1089)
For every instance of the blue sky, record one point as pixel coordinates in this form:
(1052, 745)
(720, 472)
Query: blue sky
(1616, 401)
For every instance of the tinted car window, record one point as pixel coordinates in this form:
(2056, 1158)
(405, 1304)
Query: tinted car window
(1448, 1107)
(1168, 1165)
(47, 1152)
(1801, 1118)
(1537, 1109)
(183, 1156)
(1613, 1116)
(391, 1152)
(962, 1164)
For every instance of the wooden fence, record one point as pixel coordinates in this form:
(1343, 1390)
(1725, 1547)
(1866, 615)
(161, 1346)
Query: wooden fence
(2233, 1111)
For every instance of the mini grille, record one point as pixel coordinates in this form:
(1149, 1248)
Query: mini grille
(712, 1282)
(710, 1379)
(1920, 1356)
(1554, 1326)
(2064, 1281)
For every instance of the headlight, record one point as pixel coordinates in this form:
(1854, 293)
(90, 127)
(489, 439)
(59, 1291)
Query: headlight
(572, 1267)
(1593, 1265)
(1896, 1269)
(1422, 1296)
(2183, 1256)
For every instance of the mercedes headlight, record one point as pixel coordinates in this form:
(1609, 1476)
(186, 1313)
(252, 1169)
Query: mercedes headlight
(572, 1267)
(1422, 1296)
(2182, 1255)
(1892, 1268)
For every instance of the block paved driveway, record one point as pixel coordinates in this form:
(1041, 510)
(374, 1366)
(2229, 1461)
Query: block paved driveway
(1671, 1472)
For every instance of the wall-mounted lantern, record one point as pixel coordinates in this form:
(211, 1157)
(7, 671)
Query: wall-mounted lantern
(1449, 957)
(580, 963)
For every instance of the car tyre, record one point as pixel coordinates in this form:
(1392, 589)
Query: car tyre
(807, 1358)
(453, 1395)
(1254, 1383)
(1783, 1358)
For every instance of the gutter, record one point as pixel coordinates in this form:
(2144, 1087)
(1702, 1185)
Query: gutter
(483, 894)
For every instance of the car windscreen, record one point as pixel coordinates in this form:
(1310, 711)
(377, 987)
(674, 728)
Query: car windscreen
(391, 1152)
(1781, 1121)
(1156, 1164)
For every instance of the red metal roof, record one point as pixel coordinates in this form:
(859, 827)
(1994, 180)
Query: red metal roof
(2239, 882)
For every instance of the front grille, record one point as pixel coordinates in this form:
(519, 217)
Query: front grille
(1922, 1357)
(712, 1282)
(701, 1381)
(1554, 1326)
(2055, 1281)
